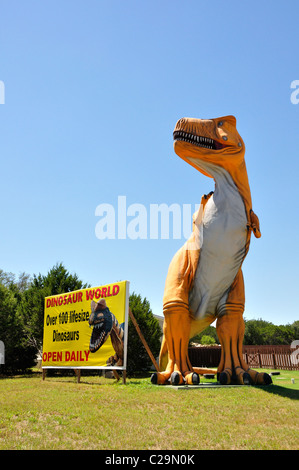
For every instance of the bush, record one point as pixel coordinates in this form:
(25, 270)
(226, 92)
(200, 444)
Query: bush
(206, 339)
(210, 332)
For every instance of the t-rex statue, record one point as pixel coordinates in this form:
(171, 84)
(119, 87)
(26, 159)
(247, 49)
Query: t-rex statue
(205, 281)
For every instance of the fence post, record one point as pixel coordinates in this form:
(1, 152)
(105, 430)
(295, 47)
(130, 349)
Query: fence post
(274, 362)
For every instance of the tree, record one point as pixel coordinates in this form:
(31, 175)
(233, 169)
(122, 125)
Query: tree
(6, 279)
(137, 358)
(31, 309)
(31, 315)
(22, 312)
(9, 280)
(58, 281)
(295, 328)
(19, 355)
(209, 331)
(259, 332)
(207, 339)
(254, 332)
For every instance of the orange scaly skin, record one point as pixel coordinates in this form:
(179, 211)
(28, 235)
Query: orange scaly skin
(205, 281)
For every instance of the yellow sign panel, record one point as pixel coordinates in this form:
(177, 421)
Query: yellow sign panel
(87, 328)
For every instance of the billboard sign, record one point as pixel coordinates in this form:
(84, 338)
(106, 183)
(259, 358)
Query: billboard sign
(87, 328)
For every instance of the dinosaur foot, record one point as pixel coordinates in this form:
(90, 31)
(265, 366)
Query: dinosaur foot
(158, 379)
(176, 378)
(242, 377)
(191, 378)
(252, 377)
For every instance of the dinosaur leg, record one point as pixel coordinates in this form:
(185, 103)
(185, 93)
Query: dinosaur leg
(232, 367)
(177, 320)
(230, 330)
(176, 338)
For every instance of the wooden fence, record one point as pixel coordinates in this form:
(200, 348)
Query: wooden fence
(272, 357)
(269, 357)
(205, 356)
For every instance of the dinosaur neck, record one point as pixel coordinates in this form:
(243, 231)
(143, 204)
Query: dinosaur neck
(234, 180)
(240, 178)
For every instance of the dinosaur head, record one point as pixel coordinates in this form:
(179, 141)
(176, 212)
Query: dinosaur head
(101, 320)
(206, 142)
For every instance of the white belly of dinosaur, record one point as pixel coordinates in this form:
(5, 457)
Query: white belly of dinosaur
(222, 240)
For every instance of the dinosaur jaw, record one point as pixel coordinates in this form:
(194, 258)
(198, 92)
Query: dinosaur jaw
(102, 326)
(198, 140)
(98, 337)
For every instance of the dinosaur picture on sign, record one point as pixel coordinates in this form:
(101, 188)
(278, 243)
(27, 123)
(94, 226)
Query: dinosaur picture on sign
(104, 325)
(205, 281)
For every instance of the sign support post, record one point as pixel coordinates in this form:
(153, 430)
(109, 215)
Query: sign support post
(143, 340)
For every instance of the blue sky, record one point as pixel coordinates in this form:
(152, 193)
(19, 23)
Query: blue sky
(93, 90)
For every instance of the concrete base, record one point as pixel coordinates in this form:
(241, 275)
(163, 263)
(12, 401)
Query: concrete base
(199, 386)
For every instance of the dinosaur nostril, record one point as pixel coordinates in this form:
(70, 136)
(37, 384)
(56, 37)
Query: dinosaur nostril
(181, 123)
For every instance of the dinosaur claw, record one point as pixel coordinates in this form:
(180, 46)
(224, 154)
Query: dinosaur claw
(224, 378)
(247, 380)
(259, 378)
(195, 378)
(158, 378)
(267, 379)
(154, 378)
(176, 378)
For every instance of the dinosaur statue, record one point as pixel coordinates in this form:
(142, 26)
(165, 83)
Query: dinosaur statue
(104, 325)
(205, 281)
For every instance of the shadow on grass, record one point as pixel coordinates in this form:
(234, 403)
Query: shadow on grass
(281, 391)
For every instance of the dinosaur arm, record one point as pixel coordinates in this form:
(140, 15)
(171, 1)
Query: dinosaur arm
(254, 224)
(117, 344)
(117, 338)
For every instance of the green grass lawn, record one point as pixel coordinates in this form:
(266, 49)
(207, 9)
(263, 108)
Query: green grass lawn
(100, 413)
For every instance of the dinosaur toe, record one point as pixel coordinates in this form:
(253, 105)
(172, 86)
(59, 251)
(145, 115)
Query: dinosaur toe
(176, 378)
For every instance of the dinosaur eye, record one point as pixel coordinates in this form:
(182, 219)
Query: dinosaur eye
(239, 144)
(224, 137)
(220, 123)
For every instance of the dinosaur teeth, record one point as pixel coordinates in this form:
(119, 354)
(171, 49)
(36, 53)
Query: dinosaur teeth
(200, 141)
